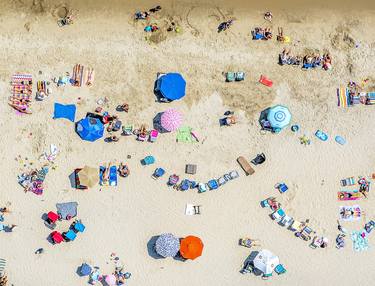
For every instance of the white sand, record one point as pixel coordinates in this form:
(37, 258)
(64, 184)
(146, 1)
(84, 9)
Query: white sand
(123, 219)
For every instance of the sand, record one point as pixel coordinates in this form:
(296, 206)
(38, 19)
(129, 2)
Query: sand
(124, 219)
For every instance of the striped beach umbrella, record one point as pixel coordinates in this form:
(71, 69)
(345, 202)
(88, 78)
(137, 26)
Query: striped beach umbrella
(167, 245)
(171, 119)
(279, 117)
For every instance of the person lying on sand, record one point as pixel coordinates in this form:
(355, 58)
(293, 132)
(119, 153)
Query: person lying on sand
(123, 170)
(21, 107)
(156, 9)
(267, 33)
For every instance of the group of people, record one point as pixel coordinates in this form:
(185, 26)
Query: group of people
(308, 61)
(262, 33)
(146, 14)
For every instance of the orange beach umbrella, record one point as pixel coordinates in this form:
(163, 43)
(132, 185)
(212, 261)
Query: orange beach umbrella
(191, 247)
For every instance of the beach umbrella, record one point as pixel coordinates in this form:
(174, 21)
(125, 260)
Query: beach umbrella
(191, 247)
(88, 176)
(110, 279)
(279, 117)
(167, 245)
(266, 261)
(90, 129)
(171, 86)
(85, 269)
(171, 119)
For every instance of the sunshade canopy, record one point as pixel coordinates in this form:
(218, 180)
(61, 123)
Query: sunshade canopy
(90, 129)
(172, 86)
(171, 119)
(266, 261)
(88, 176)
(191, 247)
(167, 245)
(279, 116)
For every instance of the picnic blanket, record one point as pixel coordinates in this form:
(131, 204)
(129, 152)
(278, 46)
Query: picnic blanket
(343, 97)
(360, 241)
(67, 111)
(33, 181)
(350, 213)
(67, 210)
(184, 135)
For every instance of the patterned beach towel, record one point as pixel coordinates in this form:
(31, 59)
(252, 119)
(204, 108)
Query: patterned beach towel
(349, 195)
(343, 97)
(22, 85)
(350, 213)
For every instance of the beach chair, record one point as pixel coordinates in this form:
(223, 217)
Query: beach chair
(51, 219)
(305, 233)
(193, 184)
(259, 159)
(316, 242)
(233, 175)
(78, 226)
(116, 125)
(113, 176)
(212, 184)
(222, 181)
(278, 215)
(148, 160)
(127, 130)
(280, 269)
(245, 166)
(142, 137)
(153, 135)
(266, 276)
(190, 169)
(281, 187)
(159, 172)
(197, 210)
(70, 235)
(230, 76)
(286, 221)
(248, 242)
(240, 76)
(296, 226)
(247, 268)
(56, 237)
(202, 187)
(369, 226)
(173, 180)
(185, 184)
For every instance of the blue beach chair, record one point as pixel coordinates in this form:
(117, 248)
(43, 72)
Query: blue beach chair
(69, 235)
(280, 269)
(213, 184)
(148, 160)
(159, 172)
(78, 226)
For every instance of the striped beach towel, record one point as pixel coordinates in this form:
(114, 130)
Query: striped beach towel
(2, 266)
(343, 97)
(22, 86)
(370, 98)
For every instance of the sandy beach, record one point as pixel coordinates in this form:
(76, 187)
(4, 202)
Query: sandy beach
(126, 60)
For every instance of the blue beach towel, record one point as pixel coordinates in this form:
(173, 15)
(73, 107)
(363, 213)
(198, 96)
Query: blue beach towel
(65, 111)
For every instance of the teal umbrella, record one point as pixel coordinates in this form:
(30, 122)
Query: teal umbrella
(279, 117)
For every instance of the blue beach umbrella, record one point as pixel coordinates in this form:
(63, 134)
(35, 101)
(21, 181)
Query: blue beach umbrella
(90, 129)
(171, 86)
(279, 117)
(85, 269)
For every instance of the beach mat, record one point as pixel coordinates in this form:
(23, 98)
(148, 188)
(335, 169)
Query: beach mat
(265, 81)
(350, 213)
(343, 97)
(67, 111)
(349, 195)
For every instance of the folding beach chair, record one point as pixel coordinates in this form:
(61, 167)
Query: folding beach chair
(278, 215)
(78, 226)
(148, 160)
(153, 135)
(158, 173)
(305, 233)
(296, 226)
(222, 181)
(173, 180)
(233, 175)
(280, 269)
(70, 235)
(286, 221)
(240, 76)
(213, 184)
(202, 187)
(281, 187)
(230, 76)
(56, 237)
(127, 130)
(50, 222)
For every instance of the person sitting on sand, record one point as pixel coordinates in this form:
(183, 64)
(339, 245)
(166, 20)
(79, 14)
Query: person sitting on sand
(327, 62)
(284, 57)
(267, 33)
(124, 107)
(268, 16)
(123, 170)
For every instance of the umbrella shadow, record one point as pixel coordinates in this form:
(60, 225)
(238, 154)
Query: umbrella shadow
(157, 123)
(151, 248)
(263, 116)
(179, 257)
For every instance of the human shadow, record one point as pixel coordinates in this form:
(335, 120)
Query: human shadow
(151, 248)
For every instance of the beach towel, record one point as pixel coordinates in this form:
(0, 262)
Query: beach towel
(349, 195)
(360, 241)
(184, 135)
(21, 92)
(89, 76)
(350, 213)
(189, 210)
(264, 80)
(3, 263)
(67, 210)
(343, 97)
(67, 111)
(77, 77)
(347, 182)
